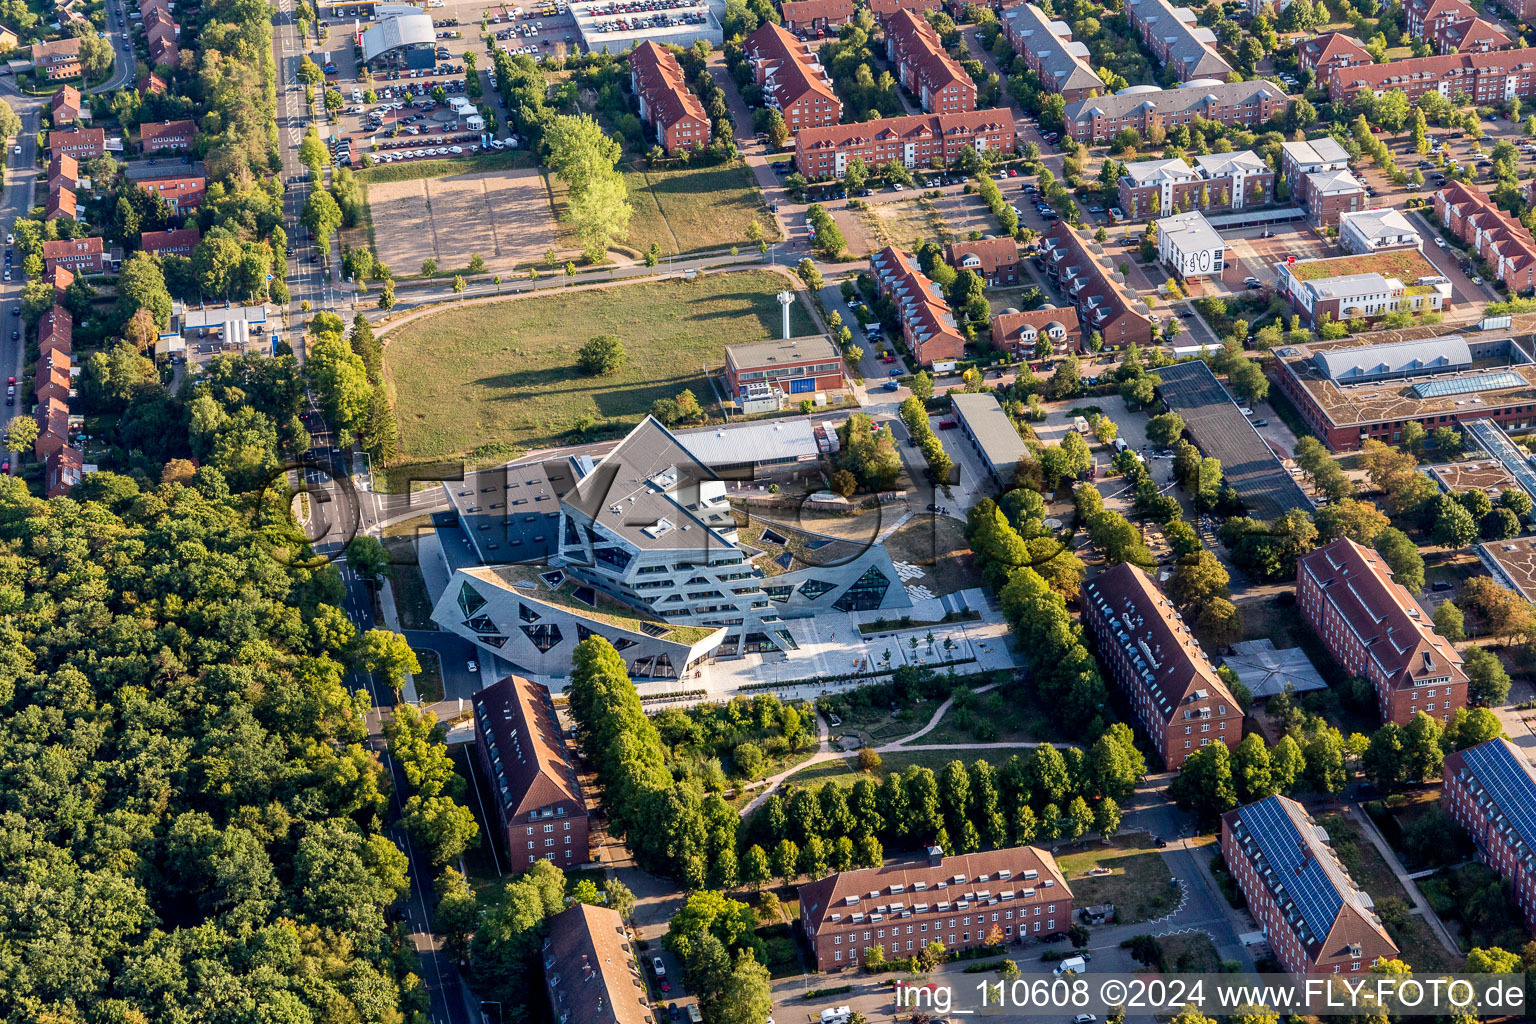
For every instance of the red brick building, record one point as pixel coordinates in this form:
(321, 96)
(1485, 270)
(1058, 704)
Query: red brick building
(1048, 49)
(58, 60)
(152, 85)
(589, 969)
(960, 901)
(167, 136)
(63, 171)
(1484, 78)
(62, 471)
(80, 143)
(176, 242)
(1374, 628)
(927, 322)
(792, 79)
(1490, 790)
(163, 53)
(1522, 10)
(796, 366)
(1321, 54)
(1173, 689)
(1094, 120)
(56, 330)
(1019, 334)
(1177, 39)
(666, 102)
(61, 203)
(65, 107)
(1320, 179)
(180, 194)
(79, 255)
(52, 428)
(884, 10)
(53, 378)
(1316, 920)
(1452, 26)
(936, 78)
(1102, 305)
(994, 260)
(816, 17)
(539, 805)
(916, 140)
(1500, 239)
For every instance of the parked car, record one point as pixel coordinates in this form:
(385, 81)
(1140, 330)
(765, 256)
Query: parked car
(947, 424)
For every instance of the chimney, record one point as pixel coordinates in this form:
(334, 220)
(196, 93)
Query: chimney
(935, 856)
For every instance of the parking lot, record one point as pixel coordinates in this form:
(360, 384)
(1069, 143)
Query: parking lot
(1258, 255)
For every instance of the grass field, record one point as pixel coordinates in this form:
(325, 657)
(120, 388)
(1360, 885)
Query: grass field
(902, 221)
(1139, 885)
(503, 376)
(429, 681)
(938, 545)
(845, 771)
(685, 209)
(411, 170)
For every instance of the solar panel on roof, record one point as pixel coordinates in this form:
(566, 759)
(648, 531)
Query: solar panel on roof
(1297, 869)
(1508, 783)
(1498, 381)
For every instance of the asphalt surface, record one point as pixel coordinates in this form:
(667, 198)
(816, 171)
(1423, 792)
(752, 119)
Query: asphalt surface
(20, 179)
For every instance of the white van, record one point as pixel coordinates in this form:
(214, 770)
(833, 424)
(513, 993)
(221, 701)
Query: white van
(837, 1016)
(1075, 964)
(694, 1016)
(357, 94)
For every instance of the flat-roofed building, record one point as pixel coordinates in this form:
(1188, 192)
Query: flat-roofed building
(1172, 687)
(796, 366)
(1490, 790)
(1384, 230)
(1187, 243)
(1019, 334)
(1016, 892)
(1048, 49)
(590, 972)
(1177, 39)
(1485, 475)
(538, 799)
(1315, 918)
(991, 434)
(1364, 287)
(1374, 628)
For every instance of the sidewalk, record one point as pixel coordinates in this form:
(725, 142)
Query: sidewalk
(392, 622)
(1420, 904)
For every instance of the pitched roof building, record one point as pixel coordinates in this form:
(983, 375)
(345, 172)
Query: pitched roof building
(1177, 40)
(80, 143)
(1231, 103)
(167, 136)
(1321, 54)
(80, 255)
(665, 100)
(804, 17)
(1497, 237)
(61, 203)
(1490, 790)
(1452, 26)
(1048, 49)
(927, 322)
(1018, 333)
(1485, 78)
(175, 242)
(1104, 304)
(57, 60)
(539, 804)
(63, 171)
(924, 67)
(180, 193)
(915, 140)
(792, 79)
(1179, 700)
(589, 969)
(959, 901)
(62, 471)
(1316, 920)
(1374, 628)
(1383, 230)
(66, 107)
(994, 260)
(883, 10)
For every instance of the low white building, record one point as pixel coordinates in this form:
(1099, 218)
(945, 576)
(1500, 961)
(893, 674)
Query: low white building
(1187, 243)
(1363, 231)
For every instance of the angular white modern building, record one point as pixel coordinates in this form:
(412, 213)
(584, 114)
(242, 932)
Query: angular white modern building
(1187, 243)
(651, 556)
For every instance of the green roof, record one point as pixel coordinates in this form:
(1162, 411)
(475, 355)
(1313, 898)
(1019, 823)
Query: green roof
(527, 582)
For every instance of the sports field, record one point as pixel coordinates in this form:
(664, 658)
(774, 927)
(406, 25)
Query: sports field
(498, 378)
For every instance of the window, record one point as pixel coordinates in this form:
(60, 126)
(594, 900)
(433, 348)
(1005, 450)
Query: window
(544, 637)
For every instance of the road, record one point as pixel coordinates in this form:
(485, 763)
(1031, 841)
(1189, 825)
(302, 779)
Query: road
(123, 55)
(20, 180)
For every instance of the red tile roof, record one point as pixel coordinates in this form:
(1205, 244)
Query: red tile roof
(796, 73)
(89, 137)
(65, 104)
(659, 79)
(883, 9)
(166, 135)
(909, 126)
(1006, 326)
(62, 203)
(1457, 70)
(64, 169)
(1086, 279)
(991, 252)
(803, 12)
(925, 315)
(1333, 46)
(62, 471)
(919, 46)
(1381, 612)
(589, 969)
(65, 247)
(519, 716)
(177, 238)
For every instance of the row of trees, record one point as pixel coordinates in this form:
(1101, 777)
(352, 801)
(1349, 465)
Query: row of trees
(433, 813)
(914, 416)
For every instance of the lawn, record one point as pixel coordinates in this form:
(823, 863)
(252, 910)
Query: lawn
(901, 222)
(1190, 953)
(999, 716)
(845, 771)
(1024, 297)
(1139, 885)
(429, 681)
(685, 209)
(413, 170)
(502, 377)
(1415, 940)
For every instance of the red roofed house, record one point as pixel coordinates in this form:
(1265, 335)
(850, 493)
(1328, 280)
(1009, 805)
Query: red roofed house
(793, 81)
(81, 255)
(176, 242)
(958, 901)
(1494, 235)
(61, 279)
(915, 140)
(1452, 26)
(1374, 628)
(1331, 50)
(80, 143)
(883, 10)
(63, 171)
(152, 85)
(1019, 334)
(66, 107)
(1170, 683)
(53, 379)
(164, 53)
(816, 17)
(58, 60)
(180, 194)
(927, 323)
(538, 801)
(167, 136)
(994, 260)
(52, 428)
(924, 67)
(1486, 78)
(56, 331)
(1102, 305)
(665, 99)
(62, 203)
(62, 471)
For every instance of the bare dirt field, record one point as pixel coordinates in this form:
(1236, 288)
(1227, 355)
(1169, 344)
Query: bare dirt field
(501, 215)
(1259, 255)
